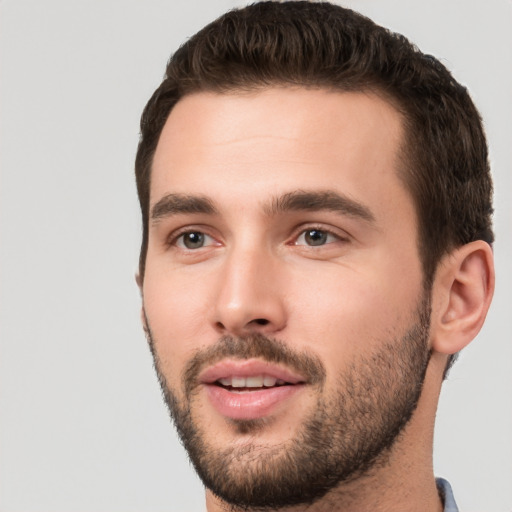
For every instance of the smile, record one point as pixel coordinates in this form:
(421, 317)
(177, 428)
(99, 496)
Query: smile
(256, 382)
(249, 389)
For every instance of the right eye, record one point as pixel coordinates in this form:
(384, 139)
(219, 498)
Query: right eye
(193, 240)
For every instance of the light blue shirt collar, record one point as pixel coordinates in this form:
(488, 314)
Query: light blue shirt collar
(446, 493)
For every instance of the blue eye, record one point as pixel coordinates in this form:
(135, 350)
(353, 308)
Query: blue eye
(193, 240)
(315, 237)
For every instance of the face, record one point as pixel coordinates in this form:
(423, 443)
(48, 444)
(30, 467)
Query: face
(283, 293)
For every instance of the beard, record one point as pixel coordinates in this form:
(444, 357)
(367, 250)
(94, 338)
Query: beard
(348, 433)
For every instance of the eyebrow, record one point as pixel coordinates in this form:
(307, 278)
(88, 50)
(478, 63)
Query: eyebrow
(329, 200)
(175, 204)
(298, 200)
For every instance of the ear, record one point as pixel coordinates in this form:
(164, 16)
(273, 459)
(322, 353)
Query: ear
(143, 320)
(461, 293)
(138, 280)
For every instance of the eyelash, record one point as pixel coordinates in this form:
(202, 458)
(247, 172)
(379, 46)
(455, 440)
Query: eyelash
(303, 230)
(174, 239)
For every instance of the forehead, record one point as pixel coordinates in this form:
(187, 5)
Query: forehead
(238, 147)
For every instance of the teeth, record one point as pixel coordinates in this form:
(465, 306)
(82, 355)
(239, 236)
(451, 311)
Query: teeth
(269, 381)
(256, 381)
(238, 382)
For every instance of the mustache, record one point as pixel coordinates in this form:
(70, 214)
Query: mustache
(253, 346)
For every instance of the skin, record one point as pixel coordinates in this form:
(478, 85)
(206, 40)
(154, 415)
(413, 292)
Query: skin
(257, 273)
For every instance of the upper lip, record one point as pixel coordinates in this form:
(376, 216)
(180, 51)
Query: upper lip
(248, 368)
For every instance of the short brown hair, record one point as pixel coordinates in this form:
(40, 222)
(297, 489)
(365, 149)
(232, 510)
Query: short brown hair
(321, 45)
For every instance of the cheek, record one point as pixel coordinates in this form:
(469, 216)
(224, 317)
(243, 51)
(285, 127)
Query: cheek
(176, 316)
(348, 312)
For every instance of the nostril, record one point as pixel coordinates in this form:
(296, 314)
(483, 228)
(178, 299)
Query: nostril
(239, 328)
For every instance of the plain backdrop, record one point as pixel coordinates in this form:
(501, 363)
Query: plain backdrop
(83, 427)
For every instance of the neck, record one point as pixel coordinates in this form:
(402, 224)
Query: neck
(412, 493)
(402, 480)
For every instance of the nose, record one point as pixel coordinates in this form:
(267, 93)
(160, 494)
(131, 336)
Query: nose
(250, 298)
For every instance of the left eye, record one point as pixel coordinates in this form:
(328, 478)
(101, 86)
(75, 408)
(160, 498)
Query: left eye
(193, 240)
(315, 237)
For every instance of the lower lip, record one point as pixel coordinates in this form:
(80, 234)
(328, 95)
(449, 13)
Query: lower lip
(250, 405)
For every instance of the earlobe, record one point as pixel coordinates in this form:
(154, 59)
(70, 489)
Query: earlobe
(138, 280)
(144, 321)
(462, 294)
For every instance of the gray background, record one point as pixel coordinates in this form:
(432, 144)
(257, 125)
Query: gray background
(82, 426)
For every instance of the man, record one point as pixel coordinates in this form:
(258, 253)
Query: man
(316, 204)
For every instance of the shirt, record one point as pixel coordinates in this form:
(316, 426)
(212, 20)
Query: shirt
(446, 493)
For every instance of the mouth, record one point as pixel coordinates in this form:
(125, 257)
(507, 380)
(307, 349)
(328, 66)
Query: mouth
(249, 384)
(249, 389)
